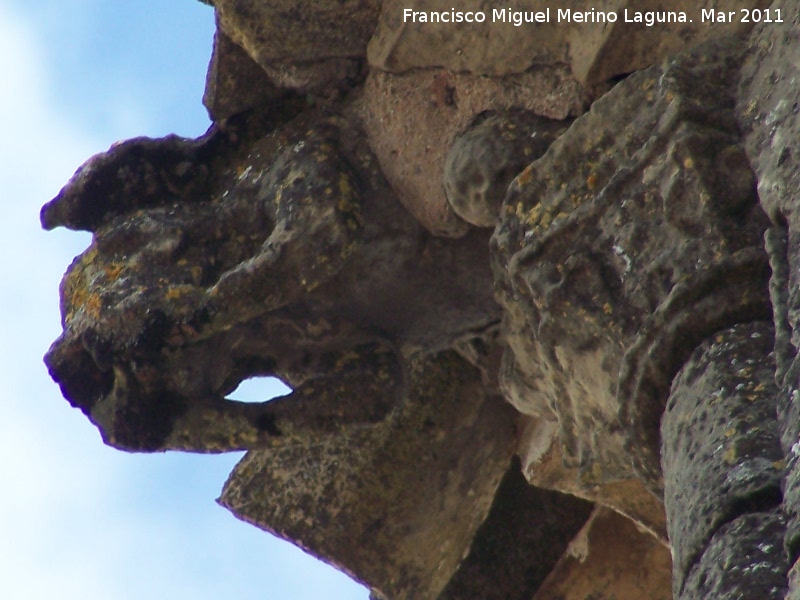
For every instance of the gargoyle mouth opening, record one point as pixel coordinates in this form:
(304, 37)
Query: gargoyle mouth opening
(259, 389)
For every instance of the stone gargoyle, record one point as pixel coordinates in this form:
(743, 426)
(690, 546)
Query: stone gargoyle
(272, 246)
(290, 259)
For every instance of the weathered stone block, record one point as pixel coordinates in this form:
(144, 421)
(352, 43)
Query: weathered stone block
(219, 259)
(543, 466)
(610, 560)
(274, 31)
(395, 505)
(620, 250)
(235, 82)
(411, 121)
(794, 582)
(308, 236)
(769, 113)
(596, 48)
(522, 539)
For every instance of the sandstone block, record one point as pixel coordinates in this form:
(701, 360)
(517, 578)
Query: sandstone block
(595, 47)
(411, 121)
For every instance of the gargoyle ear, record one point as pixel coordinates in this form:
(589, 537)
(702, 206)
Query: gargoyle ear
(131, 175)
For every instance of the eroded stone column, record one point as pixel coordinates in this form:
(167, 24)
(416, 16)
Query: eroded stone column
(723, 466)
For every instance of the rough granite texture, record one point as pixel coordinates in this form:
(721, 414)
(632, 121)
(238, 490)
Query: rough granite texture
(415, 498)
(302, 45)
(721, 453)
(629, 329)
(235, 82)
(771, 125)
(743, 561)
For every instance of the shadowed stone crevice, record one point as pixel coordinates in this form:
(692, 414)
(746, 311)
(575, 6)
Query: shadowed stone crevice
(524, 535)
(610, 559)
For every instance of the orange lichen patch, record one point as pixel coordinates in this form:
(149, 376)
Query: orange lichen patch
(93, 305)
(75, 286)
(525, 177)
(113, 270)
(648, 83)
(178, 291)
(731, 456)
(591, 181)
(81, 301)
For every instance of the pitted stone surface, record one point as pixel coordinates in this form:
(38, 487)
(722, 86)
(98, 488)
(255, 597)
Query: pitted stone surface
(285, 253)
(235, 82)
(396, 505)
(308, 235)
(771, 125)
(278, 31)
(204, 271)
(794, 582)
(770, 120)
(744, 561)
(721, 452)
(488, 155)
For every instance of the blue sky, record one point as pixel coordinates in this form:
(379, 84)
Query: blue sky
(79, 520)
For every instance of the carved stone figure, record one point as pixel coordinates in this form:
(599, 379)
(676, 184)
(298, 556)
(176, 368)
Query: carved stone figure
(627, 330)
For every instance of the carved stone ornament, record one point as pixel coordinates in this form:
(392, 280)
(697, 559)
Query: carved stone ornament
(535, 296)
